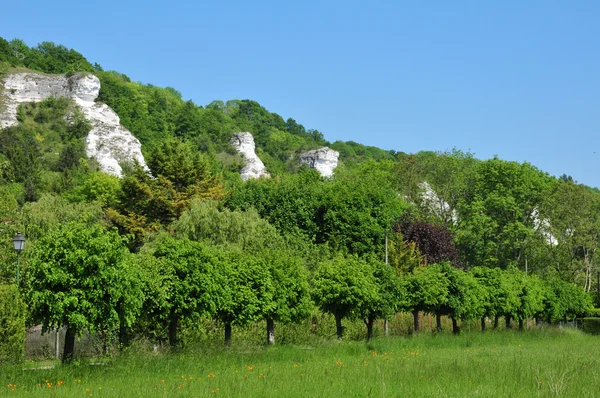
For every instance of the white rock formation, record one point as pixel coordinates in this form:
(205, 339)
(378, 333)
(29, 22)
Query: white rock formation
(435, 204)
(254, 167)
(542, 225)
(324, 160)
(108, 142)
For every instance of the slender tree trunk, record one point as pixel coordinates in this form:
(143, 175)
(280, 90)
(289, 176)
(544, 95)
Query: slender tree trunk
(69, 349)
(270, 331)
(369, 322)
(416, 320)
(386, 326)
(338, 327)
(483, 324)
(438, 322)
(521, 324)
(455, 328)
(507, 319)
(496, 321)
(173, 335)
(227, 334)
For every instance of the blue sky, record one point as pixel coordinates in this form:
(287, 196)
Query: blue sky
(517, 79)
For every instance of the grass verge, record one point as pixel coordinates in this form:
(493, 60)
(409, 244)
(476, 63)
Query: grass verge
(543, 362)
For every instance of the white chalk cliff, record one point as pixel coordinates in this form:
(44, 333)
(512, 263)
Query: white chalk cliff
(324, 160)
(253, 167)
(108, 142)
(434, 203)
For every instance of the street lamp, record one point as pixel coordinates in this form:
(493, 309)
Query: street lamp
(19, 243)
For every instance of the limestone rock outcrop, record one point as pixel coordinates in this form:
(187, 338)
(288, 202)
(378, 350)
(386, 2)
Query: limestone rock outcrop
(253, 167)
(436, 204)
(108, 142)
(324, 160)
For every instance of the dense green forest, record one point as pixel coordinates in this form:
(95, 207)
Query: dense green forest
(152, 253)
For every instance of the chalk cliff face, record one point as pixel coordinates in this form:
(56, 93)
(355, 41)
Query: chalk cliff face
(324, 160)
(436, 204)
(254, 167)
(108, 142)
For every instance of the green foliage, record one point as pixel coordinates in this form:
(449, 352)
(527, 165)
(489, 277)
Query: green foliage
(427, 289)
(593, 312)
(45, 57)
(45, 152)
(291, 291)
(357, 209)
(145, 203)
(499, 216)
(591, 325)
(184, 281)
(203, 221)
(498, 295)
(290, 203)
(51, 211)
(97, 187)
(345, 287)
(177, 162)
(563, 300)
(83, 277)
(248, 290)
(12, 325)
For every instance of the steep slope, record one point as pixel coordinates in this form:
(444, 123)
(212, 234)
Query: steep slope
(108, 142)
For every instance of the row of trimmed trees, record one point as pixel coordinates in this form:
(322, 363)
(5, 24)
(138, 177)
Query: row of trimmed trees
(83, 277)
(370, 290)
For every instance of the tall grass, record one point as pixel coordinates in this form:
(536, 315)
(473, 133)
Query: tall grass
(541, 362)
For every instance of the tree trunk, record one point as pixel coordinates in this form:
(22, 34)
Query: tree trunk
(416, 320)
(386, 326)
(483, 324)
(455, 328)
(521, 324)
(69, 349)
(338, 326)
(173, 336)
(228, 334)
(438, 322)
(369, 322)
(270, 331)
(496, 320)
(507, 318)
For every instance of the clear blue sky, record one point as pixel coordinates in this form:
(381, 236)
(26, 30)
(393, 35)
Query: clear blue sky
(512, 78)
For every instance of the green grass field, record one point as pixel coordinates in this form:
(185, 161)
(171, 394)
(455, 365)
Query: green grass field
(541, 362)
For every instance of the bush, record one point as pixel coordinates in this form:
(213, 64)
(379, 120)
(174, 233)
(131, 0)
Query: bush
(593, 313)
(12, 325)
(591, 325)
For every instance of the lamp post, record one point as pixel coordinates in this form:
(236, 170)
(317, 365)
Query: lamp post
(19, 243)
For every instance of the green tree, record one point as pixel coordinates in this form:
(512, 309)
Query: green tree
(248, 290)
(390, 296)
(427, 291)
(82, 277)
(498, 218)
(12, 325)
(203, 221)
(343, 286)
(357, 209)
(291, 291)
(186, 282)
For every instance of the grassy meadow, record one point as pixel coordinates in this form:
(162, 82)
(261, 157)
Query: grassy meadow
(540, 362)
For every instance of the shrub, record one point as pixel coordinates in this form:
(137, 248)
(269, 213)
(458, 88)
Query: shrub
(591, 325)
(593, 312)
(12, 325)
